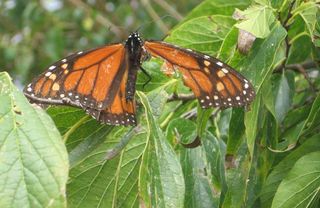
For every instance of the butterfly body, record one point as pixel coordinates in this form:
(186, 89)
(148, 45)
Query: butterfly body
(133, 46)
(102, 81)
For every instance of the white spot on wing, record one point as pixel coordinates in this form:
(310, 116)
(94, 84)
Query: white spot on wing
(219, 63)
(48, 74)
(225, 70)
(52, 67)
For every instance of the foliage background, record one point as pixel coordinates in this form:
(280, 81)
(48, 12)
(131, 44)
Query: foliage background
(265, 157)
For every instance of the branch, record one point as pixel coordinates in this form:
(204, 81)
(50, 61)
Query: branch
(295, 67)
(301, 68)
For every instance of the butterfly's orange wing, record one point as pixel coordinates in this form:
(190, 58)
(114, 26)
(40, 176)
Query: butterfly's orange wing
(213, 82)
(93, 80)
(121, 111)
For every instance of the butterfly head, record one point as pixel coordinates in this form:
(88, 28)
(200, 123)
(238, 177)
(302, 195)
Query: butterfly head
(134, 40)
(134, 46)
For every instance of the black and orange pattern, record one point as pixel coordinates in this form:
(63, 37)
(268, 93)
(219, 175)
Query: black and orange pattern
(102, 80)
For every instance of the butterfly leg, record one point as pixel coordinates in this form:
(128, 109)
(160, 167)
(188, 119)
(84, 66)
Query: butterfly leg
(148, 75)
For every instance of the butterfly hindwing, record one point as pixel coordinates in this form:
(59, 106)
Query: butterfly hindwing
(121, 111)
(213, 82)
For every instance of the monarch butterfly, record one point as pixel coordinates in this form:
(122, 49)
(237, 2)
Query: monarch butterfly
(102, 80)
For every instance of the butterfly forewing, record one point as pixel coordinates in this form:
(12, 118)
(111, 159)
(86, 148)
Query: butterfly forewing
(83, 79)
(213, 82)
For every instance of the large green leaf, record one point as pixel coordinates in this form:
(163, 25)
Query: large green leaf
(97, 182)
(280, 171)
(161, 180)
(34, 162)
(217, 7)
(301, 186)
(204, 34)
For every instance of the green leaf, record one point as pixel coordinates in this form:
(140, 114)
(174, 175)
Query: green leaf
(236, 131)
(204, 34)
(281, 170)
(96, 182)
(202, 119)
(283, 90)
(293, 134)
(263, 2)
(257, 20)
(34, 160)
(300, 50)
(300, 187)
(229, 45)
(199, 192)
(182, 129)
(203, 170)
(217, 7)
(257, 66)
(215, 151)
(237, 173)
(161, 179)
(251, 122)
(308, 12)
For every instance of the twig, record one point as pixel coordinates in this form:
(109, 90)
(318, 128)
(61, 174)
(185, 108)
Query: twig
(189, 114)
(183, 97)
(302, 69)
(169, 9)
(193, 113)
(155, 16)
(100, 19)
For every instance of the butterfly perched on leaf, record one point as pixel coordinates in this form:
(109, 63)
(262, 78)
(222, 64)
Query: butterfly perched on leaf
(102, 80)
